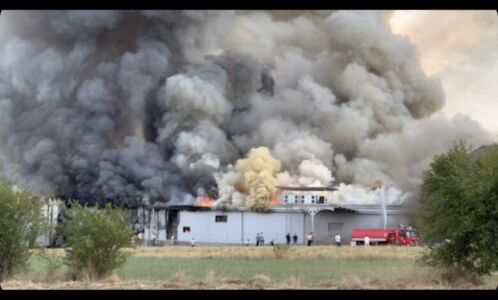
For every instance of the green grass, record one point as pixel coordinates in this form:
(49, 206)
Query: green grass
(37, 267)
(307, 270)
(318, 272)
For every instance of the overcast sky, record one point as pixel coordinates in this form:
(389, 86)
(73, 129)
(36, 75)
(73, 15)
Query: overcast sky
(461, 48)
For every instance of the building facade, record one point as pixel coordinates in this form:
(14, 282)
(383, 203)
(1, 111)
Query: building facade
(301, 211)
(235, 227)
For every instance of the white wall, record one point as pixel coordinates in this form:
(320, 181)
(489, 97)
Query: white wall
(205, 230)
(243, 225)
(239, 226)
(273, 225)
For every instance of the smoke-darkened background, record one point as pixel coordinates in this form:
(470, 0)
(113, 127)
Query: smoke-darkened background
(115, 105)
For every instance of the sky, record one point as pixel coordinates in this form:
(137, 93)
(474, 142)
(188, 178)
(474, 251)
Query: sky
(460, 48)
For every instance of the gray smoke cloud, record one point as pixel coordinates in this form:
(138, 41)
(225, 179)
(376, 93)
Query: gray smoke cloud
(117, 105)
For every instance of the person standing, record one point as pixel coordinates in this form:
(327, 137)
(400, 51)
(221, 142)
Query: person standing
(294, 238)
(310, 239)
(262, 239)
(338, 240)
(367, 241)
(192, 242)
(257, 239)
(288, 239)
(247, 242)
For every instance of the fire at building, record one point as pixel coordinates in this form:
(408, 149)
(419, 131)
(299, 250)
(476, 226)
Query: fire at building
(224, 123)
(297, 211)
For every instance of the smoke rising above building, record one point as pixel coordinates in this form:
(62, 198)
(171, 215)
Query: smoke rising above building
(116, 105)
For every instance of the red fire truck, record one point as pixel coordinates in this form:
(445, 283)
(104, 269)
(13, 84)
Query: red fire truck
(403, 236)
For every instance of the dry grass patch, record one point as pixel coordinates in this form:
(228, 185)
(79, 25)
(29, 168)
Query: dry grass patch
(292, 283)
(259, 281)
(180, 278)
(267, 252)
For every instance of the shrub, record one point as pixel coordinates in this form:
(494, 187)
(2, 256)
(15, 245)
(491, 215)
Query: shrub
(281, 251)
(96, 238)
(21, 220)
(458, 217)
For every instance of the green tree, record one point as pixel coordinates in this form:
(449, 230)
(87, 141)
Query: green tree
(96, 238)
(458, 217)
(21, 221)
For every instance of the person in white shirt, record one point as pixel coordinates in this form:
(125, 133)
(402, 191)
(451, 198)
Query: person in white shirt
(192, 242)
(338, 240)
(310, 239)
(367, 241)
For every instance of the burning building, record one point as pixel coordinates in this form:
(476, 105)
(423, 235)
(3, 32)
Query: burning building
(221, 106)
(300, 210)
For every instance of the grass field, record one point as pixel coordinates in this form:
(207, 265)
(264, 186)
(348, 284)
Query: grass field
(255, 268)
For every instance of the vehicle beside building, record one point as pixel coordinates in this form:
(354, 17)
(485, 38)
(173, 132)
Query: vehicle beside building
(401, 236)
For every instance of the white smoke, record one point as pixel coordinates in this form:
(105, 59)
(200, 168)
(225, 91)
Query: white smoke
(358, 194)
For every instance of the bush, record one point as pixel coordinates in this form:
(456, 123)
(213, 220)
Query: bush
(281, 251)
(21, 221)
(96, 238)
(458, 218)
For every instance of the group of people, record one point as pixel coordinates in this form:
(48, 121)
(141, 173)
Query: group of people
(288, 239)
(260, 239)
(310, 238)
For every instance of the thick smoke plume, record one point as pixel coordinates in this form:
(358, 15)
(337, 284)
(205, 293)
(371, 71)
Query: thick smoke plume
(118, 105)
(259, 170)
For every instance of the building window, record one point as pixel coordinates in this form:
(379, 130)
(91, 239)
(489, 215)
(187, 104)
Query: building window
(321, 200)
(221, 219)
(313, 201)
(186, 229)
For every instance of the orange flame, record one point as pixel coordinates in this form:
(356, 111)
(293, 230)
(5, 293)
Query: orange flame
(275, 202)
(204, 202)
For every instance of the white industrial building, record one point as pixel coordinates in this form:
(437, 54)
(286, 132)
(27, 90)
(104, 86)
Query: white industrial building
(235, 227)
(302, 210)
